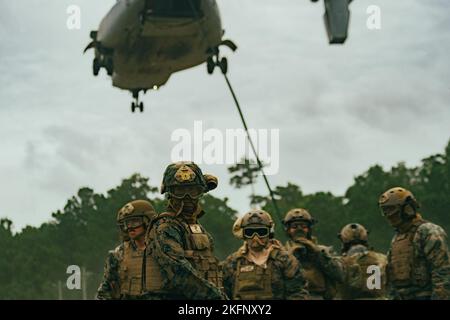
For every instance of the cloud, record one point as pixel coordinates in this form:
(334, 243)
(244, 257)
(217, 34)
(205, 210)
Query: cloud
(380, 98)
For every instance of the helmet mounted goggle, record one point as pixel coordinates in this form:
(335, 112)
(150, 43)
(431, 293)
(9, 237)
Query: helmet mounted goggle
(261, 232)
(131, 223)
(192, 191)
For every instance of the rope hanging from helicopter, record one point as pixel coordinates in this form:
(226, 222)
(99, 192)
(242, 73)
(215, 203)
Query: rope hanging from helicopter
(244, 122)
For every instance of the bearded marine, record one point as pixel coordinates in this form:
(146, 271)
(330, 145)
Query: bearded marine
(322, 269)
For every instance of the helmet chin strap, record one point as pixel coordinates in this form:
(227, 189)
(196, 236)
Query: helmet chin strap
(181, 208)
(173, 207)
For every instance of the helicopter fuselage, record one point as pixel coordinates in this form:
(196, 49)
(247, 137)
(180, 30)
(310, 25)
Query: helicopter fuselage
(144, 42)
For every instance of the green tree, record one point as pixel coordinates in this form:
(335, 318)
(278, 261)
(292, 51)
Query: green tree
(218, 220)
(326, 208)
(245, 173)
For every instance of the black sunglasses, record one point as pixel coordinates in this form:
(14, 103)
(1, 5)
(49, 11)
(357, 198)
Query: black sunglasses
(260, 232)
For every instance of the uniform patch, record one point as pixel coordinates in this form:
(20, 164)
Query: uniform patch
(195, 228)
(247, 268)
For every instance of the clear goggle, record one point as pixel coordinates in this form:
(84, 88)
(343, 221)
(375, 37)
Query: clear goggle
(131, 223)
(181, 192)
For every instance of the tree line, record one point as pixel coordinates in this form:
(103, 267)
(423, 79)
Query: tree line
(34, 261)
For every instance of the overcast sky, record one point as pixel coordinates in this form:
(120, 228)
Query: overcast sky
(382, 98)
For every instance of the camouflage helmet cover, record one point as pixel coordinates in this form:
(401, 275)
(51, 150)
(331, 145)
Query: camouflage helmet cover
(353, 232)
(186, 173)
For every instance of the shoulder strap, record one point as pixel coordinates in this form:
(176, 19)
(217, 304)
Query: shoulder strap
(160, 216)
(153, 222)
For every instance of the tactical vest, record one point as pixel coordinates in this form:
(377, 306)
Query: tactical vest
(253, 282)
(355, 286)
(407, 269)
(139, 276)
(199, 252)
(318, 285)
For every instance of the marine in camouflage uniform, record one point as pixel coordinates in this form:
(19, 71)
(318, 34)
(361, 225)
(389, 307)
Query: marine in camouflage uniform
(321, 268)
(418, 260)
(130, 271)
(358, 261)
(181, 246)
(261, 268)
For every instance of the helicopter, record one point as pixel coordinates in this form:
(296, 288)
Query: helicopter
(141, 43)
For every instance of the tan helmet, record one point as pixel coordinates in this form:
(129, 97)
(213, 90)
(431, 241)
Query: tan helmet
(137, 208)
(253, 218)
(400, 197)
(237, 229)
(353, 232)
(298, 214)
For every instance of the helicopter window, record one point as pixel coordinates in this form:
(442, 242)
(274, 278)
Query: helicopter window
(174, 8)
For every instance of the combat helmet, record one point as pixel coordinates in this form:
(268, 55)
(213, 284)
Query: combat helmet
(396, 199)
(254, 219)
(186, 173)
(135, 209)
(353, 233)
(298, 214)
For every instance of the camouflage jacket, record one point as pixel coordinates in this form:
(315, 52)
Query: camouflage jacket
(110, 286)
(183, 279)
(285, 279)
(429, 272)
(322, 269)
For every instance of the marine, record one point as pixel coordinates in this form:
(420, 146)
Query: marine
(182, 247)
(261, 268)
(361, 265)
(130, 271)
(418, 259)
(321, 268)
